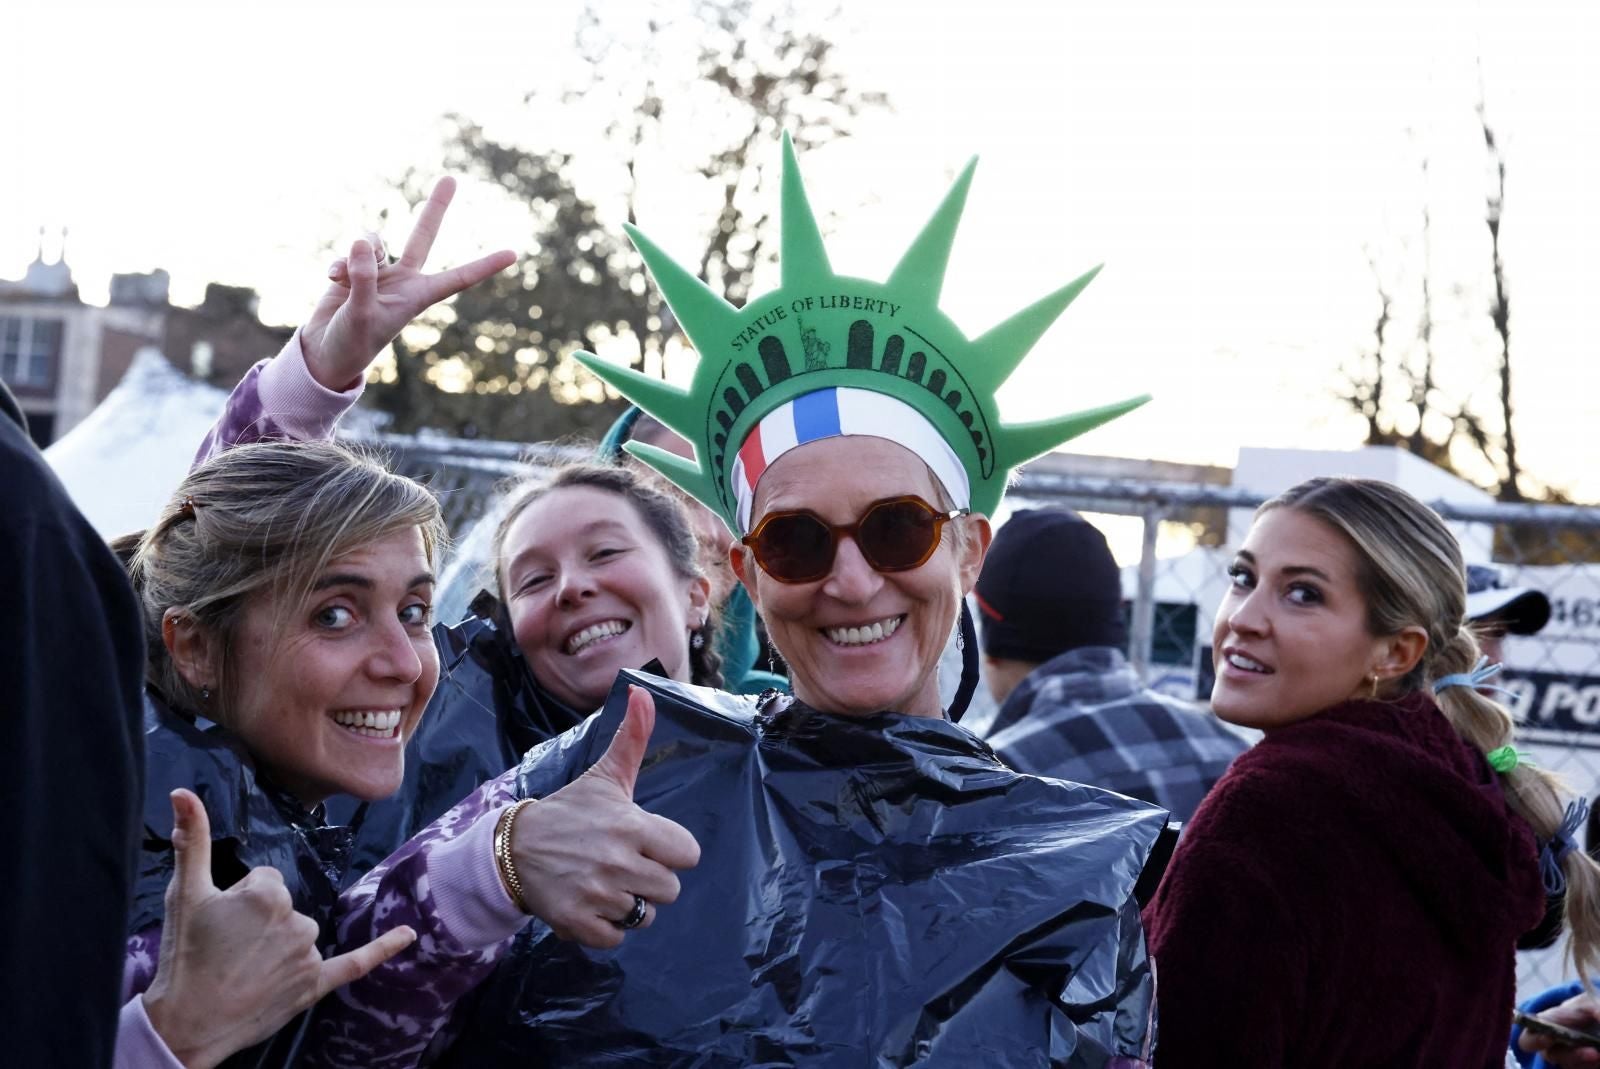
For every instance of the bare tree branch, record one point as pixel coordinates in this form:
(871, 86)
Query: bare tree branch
(1500, 304)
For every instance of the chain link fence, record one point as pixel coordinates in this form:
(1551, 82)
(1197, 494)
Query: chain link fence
(1184, 533)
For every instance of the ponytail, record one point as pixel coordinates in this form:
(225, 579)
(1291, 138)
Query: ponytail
(1536, 795)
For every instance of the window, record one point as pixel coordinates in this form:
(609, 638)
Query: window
(10, 348)
(30, 349)
(44, 349)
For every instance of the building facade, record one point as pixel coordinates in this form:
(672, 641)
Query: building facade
(61, 356)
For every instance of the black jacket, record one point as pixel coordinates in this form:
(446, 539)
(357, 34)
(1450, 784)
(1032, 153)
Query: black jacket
(71, 669)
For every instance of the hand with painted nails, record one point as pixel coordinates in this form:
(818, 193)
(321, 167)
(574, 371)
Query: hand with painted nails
(239, 964)
(587, 854)
(370, 300)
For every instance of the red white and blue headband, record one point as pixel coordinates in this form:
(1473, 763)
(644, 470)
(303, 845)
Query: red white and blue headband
(835, 412)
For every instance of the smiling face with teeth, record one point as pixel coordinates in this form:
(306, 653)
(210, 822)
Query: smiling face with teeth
(1291, 636)
(860, 641)
(330, 687)
(591, 590)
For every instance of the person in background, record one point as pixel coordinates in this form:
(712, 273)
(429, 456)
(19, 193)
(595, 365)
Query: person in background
(1352, 891)
(71, 765)
(1071, 707)
(738, 640)
(1496, 610)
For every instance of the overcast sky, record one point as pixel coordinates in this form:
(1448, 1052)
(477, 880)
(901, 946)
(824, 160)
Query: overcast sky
(1231, 163)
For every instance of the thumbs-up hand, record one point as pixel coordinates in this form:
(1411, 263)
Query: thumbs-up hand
(584, 852)
(237, 965)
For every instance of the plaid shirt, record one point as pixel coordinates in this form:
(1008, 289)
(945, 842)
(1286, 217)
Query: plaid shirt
(1085, 717)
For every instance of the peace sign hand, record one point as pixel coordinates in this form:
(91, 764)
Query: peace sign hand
(367, 305)
(237, 965)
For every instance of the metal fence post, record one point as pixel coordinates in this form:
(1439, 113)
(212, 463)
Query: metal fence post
(1141, 638)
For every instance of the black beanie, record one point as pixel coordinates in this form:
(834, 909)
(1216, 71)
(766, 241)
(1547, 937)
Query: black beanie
(1049, 585)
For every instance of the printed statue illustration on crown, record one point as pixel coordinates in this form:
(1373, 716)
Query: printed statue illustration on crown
(820, 330)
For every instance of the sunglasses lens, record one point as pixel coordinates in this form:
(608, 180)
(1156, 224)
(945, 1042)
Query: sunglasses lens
(794, 548)
(897, 535)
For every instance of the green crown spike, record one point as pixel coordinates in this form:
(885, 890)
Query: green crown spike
(925, 261)
(1005, 346)
(1021, 442)
(696, 308)
(802, 253)
(685, 473)
(673, 407)
(820, 330)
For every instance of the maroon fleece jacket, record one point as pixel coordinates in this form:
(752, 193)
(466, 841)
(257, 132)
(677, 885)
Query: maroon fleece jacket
(1348, 895)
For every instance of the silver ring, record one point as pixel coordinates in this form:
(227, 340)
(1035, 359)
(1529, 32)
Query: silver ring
(635, 915)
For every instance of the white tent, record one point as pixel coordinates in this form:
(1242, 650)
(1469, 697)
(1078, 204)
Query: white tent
(123, 461)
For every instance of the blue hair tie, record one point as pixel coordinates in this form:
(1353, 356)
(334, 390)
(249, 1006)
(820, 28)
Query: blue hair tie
(1559, 845)
(1481, 673)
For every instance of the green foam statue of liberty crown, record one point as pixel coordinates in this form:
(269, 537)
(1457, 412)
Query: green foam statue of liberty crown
(820, 330)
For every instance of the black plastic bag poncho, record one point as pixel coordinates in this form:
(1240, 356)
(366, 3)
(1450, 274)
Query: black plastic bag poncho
(252, 824)
(874, 891)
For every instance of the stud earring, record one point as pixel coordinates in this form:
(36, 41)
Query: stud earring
(205, 695)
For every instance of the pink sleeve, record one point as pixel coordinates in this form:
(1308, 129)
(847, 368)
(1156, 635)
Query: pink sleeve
(277, 399)
(474, 908)
(138, 1045)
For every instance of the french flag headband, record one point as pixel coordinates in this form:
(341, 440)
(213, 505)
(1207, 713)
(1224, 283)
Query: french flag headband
(834, 412)
(826, 355)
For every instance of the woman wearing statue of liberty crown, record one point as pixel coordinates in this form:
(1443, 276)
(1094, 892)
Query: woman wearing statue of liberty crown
(875, 887)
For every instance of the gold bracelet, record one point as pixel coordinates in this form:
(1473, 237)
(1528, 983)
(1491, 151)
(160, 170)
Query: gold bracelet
(503, 860)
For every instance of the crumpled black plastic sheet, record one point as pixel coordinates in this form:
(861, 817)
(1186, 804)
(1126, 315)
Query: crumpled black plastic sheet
(872, 892)
(484, 716)
(252, 824)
